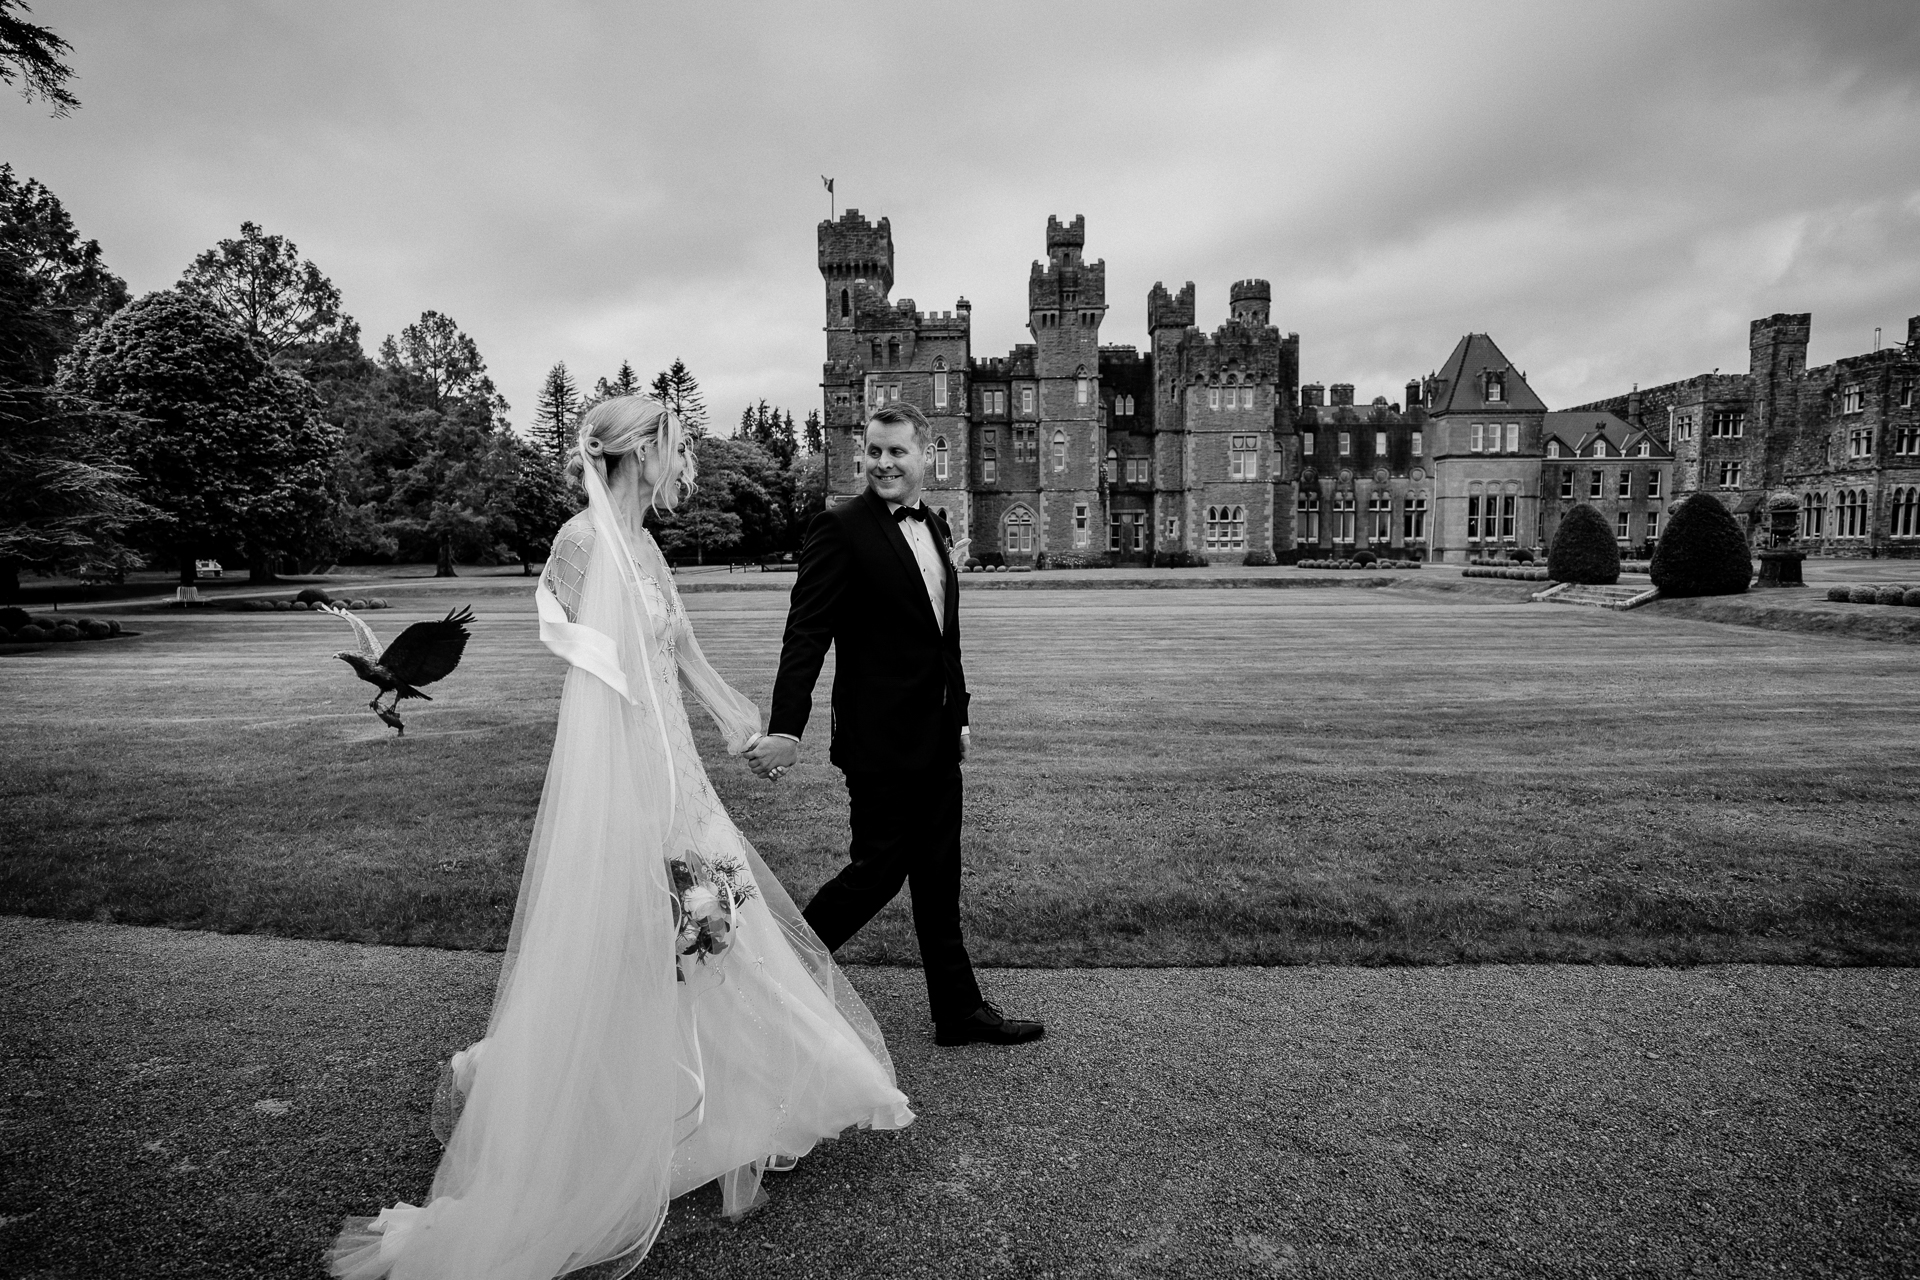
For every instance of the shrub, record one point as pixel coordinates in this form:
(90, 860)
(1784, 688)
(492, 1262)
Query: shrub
(97, 630)
(31, 634)
(1863, 595)
(113, 628)
(1840, 595)
(1365, 558)
(1262, 556)
(1522, 556)
(1702, 552)
(283, 604)
(1911, 598)
(1889, 595)
(356, 604)
(66, 631)
(313, 595)
(12, 619)
(1583, 548)
(1179, 560)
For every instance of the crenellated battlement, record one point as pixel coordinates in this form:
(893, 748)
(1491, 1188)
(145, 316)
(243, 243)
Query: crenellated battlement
(1063, 235)
(1250, 289)
(1169, 311)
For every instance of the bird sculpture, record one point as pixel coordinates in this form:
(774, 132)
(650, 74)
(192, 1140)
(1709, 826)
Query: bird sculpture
(423, 653)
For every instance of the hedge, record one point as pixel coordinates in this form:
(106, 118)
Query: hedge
(1584, 549)
(1702, 552)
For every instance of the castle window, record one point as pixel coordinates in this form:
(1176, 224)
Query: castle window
(859, 439)
(1346, 444)
(1813, 516)
(893, 352)
(1379, 444)
(1080, 521)
(940, 389)
(989, 468)
(1860, 442)
(1653, 484)
(940, 458)
(1059, 451)
(1852, 399)
(1566, 482)
(1653, 526)
(1625, 489)
(1226, 528)
(1414, 518)
(1243, 457)
(1553, 448)
(1593, 485)
(1508, 503)
(846, 304)
(1644, 450)
(1906, 393)
(1903, 517)
(1418, 438)
(1620, 531)
(1600, 447)
(878, 351)
(1019, 539)
(1306, 444)
(1026, 444)
(1727, 424)
(1173, 526)
(1246, 397)
(1026, 399)
(1137, 470)
(1513, 437)
(1213, 397)
(1380, 515)
(1729, 475)
(1496, 388)
(1907, 441)
(1343, 518)
(1113, 465)
(1478, 442)
(1306, 514)
(1683, 427)
(1473, 517)
(1082, 390)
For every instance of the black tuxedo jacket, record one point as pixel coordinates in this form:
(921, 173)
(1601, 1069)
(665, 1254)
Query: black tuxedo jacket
(899, 694)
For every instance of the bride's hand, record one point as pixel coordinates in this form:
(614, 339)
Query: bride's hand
(769, 757)
(959, 551)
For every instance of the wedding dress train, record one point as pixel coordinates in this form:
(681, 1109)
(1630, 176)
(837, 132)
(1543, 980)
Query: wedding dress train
(616, 1074)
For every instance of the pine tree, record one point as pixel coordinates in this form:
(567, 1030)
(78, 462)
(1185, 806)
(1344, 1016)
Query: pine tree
(677, 388)
(814, 437)
(625, 383)
(558, 414)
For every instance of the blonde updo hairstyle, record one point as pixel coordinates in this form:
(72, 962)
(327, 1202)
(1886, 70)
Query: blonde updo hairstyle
(613, 432)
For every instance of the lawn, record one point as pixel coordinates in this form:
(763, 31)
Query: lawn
(1161, 777)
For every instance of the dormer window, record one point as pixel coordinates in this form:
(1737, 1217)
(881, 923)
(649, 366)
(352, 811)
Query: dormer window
(1496, 388)
(1599, 448)
(1645, 450)
(1553, 448)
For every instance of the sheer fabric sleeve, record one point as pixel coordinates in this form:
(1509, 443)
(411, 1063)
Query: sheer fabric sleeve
(733, 712)
(566, 572)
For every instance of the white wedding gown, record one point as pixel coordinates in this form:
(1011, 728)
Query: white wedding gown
(605, 1085)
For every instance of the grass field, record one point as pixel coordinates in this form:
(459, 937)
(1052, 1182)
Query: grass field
(1165, 777)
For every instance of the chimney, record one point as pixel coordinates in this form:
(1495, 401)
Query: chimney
(1312, 396)
(1413, 393)
(1342, 393)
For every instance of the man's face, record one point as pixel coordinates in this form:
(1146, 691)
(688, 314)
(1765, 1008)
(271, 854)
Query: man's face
(896, 464)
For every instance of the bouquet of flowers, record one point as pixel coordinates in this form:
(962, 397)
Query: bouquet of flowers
(707, 893)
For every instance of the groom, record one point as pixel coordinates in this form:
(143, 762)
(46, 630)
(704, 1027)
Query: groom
(876, 581)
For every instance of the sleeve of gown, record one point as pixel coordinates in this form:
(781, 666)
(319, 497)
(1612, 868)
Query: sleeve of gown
(732, 711)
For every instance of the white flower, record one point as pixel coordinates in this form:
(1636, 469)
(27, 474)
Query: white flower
(700, 901)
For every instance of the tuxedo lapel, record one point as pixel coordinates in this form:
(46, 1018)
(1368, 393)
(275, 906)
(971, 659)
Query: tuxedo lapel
(890, 530)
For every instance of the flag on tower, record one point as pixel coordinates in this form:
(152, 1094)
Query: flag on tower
(829, 181)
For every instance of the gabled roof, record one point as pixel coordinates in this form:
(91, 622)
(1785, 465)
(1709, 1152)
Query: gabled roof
(1463, 387)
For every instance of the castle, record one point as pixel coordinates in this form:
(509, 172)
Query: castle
(1206, 446)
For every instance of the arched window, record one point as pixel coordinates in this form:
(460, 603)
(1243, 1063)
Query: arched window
(1905, 521)
(939, 457)
(1226, 528)
(1113, 465)
(1082, 386)
(1059, 451)
(893, 351)
(940, 383)
(846, 304)
(1019, 538)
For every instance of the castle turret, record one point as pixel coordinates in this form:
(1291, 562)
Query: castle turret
(854, 252)
(1066, 303)
(1250, 302)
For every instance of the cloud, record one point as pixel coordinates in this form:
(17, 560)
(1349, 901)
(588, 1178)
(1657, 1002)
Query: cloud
(1613, 191)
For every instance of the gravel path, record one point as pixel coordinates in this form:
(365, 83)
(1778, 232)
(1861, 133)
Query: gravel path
(182, 1104)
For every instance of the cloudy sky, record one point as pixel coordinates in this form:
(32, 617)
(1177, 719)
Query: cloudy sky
(1611, 189)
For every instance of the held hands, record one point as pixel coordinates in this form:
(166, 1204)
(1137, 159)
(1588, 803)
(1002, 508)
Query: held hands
(958, 552)
(771, 757)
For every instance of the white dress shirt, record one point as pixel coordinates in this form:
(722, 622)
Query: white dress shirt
(933, 567)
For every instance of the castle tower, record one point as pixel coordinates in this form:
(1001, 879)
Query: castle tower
(1777, 347)
(1169, 316)
(1066, 303)
(1250, 302)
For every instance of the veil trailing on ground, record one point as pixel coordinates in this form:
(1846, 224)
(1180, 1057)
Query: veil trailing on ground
(589, 1104)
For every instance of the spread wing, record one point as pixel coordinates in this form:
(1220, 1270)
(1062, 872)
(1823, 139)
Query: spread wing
(427, 651)
(369, 645)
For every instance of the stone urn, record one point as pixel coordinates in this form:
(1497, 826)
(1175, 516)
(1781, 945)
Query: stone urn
(1779, 557)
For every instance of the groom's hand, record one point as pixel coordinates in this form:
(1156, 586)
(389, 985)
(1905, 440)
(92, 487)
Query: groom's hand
(771, 753)
(965, 739)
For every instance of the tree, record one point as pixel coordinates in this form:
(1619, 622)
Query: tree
(446, 361)
(65, 275)
(625, 383)
(677, 388)
(1583, 549)
(229, 451)
(32, 54)
(1701, 552)
(261, 284)
(558, 415)
(540, 503)
(812, 437)
(772, 430)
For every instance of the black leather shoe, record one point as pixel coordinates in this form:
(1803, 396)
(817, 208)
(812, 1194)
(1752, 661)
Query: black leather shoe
(987, 1026)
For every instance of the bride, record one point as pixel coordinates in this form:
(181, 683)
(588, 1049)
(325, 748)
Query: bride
(664, 1016)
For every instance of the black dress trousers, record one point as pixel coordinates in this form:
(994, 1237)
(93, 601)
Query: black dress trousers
(906, 829)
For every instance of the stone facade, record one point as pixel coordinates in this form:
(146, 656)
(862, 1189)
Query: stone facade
(1844, 437)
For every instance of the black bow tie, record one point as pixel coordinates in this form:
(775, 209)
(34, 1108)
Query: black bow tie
(911, 513)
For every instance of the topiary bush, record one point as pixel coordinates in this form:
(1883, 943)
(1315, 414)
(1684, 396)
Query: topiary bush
(1261, 556)
(98, 630)
(1912, 598)
(1583, 549)
(31, 634)
(12, 619)
(1702, 552)
(312, 596)
(1840, 595)
(1864, 595)
(1364, 558)
(1522, 556)
(1889, 595)
(66, 631)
